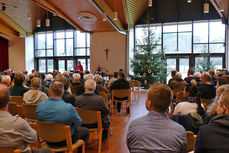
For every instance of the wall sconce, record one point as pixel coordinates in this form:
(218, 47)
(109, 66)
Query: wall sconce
(206, 7)
(47, 22)
(38, 23)
(150, 3)
(29, 16)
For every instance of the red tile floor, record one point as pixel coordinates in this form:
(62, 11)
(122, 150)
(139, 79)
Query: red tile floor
(119, 125)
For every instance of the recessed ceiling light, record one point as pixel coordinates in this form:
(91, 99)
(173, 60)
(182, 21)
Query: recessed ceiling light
(87, 17)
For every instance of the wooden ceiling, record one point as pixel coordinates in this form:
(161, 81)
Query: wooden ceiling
(129, 12)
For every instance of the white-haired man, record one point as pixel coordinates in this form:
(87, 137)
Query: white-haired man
(90, 100)
(77, 88)
(177, 82)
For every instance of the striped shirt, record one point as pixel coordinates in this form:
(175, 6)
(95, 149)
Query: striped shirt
(156, 133)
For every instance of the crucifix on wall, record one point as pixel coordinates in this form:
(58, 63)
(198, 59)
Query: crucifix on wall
(107, 50)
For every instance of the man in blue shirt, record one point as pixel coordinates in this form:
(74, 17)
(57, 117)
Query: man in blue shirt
(56, 110)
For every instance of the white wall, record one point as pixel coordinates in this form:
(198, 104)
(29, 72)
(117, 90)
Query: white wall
(17, 54)
(29, 52)
(117, 57)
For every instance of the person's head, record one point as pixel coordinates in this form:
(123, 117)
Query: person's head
(173, 73)
(56, 89)
(49, 77)
(96, 76)
(222, 80)
(159, 98)
(220, 90)
(115, 74)
(31, 76)
(87, 77)
(190, 72)
(18, 79)
(5, 72)
(121, 75)
(76, 78)
(99, 80)
(206, 78)
(223, 103)
(89, 85)
(211, 72)
(33, 71)
(120, 70)
(65, 74)
(65, 83)
(78, 63)
(36, 82)
(197, 75)
(6, 79)
(58, 77)
(37, 74)
(190, 90)
(178, 75)
(4, 97)
(25, 72)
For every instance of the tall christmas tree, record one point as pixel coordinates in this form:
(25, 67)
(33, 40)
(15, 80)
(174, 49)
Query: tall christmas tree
(149, 63)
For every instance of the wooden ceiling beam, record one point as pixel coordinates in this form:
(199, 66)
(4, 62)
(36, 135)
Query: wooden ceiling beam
(48, 5)
(6, 30)
(216, 5)
(12, 24)
(102, 7)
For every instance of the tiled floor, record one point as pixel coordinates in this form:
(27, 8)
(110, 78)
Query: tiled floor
(119, 125)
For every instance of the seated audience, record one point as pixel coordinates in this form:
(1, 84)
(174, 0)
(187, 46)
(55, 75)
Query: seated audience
(88, 77)
(56, 110)
(67, 97)
(34, 96)
(14, 131)
(99, 84)
(173, 73)
(77, 88)
(6, 80)
(121, 83)
(190, 77)
(214, 79)
(90, 100)
(223, 80)
(191, 103)
(213, 137)
(197, 77)
(155, 132)
(207, 90)
(178, 82)
(18, 89)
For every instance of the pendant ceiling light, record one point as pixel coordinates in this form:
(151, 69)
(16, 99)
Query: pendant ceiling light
(206, 7)
(115, 15)
(221, 6)
(189, 1)
(150, 3)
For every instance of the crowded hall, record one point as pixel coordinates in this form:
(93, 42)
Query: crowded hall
(114, 76)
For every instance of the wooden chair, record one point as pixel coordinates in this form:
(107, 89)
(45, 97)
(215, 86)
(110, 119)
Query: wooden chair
(12, 107)
(9, 150)
(179, 96)
(93, 117)
(177, 90)
(136, 84)
(58, 132)
(29, 111)
(205, 102)
(105, 96)
(191, 138)
(121, 93)
(17, 99)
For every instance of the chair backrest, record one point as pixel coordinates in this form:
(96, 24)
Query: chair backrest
(51, 132)
(9, 150)
(17, 99)
(12, 107)
(105, 96)
(190, 141)
(136, 83)
(121, 93)
(29, 111)
(90, 116)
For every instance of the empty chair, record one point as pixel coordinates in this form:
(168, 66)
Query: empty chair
(58, 132)
(29, 111)
(9, 150)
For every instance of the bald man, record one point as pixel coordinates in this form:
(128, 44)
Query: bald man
(14, 131)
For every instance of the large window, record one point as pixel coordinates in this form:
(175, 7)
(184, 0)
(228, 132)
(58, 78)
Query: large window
(184, 42)
(61, 50)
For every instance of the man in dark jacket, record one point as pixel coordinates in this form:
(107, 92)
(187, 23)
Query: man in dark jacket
(214, 137)
(207, 90)
(67, 97)
(89, 100)
(121, 83)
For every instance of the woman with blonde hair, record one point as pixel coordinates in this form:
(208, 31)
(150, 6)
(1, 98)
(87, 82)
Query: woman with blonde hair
(35, 96)
(6, 80)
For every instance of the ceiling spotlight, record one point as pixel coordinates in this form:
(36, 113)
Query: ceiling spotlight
(104, 17)
(38, 23)
(29, 16)
(115, 16)
(189, 1)
(150, 3)
(206, 7)
(221, 6)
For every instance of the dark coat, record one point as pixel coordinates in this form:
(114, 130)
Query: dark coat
(214, 137)
(18, 90)
(207, 91)
(68, 98)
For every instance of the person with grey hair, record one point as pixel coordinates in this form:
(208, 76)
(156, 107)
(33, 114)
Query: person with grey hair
(197, 78)
(15, 132)
(99, 84)
(89, 100)
(6, 80)
(77, 88)
(177, 82)
(207, 90)
(88, 76)
(54, 109)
